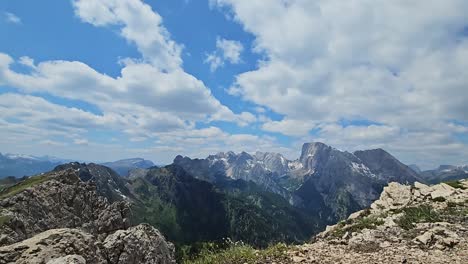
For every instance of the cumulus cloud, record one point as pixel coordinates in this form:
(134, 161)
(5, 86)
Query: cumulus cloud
(226, 50)
(394, 63)
(139, 25)
(151, 95)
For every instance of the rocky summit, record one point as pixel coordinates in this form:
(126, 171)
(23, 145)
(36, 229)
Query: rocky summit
(58, 218)
(407, 224)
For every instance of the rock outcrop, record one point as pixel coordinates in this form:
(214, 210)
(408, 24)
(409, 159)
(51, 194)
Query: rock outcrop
(139, 244)
(408, 224)
(57, 200)
(108, 183)
(59, 218)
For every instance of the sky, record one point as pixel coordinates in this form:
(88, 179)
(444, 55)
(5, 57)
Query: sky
(100, 80)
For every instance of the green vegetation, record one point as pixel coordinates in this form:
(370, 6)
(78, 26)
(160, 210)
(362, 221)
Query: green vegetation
(189, 211)
(4, 219)
(457, 210)
(356, 225)
(420, 214)
(455, 184)
(28, 182)
(238, 253)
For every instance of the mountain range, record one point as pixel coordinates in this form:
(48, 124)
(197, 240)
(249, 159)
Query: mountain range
(446, 173)
(258, 198)
(323, 179)
(19, 165)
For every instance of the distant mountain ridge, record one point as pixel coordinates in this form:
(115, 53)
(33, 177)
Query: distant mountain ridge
(323, 178)
(124, 166)
(19, 165)
(445, 173)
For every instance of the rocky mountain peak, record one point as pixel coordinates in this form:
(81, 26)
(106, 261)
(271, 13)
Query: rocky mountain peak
(387, 167)
(314, 154)
(58, 217)
(108, 183)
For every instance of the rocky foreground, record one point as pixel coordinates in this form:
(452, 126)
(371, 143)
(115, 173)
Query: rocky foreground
(408, 224)
(57, 218)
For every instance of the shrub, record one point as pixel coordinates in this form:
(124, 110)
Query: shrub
(240, 253)
(420, 214)
(4, 219)
(369, 222)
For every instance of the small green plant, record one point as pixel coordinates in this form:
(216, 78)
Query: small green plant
(368, 222)
(4, 219)
(365, 223)
(241, 253)
(420, 214)
(454, 209)
(455, 184)
(439, 199)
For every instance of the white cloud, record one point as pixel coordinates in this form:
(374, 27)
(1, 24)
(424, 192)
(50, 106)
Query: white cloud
(214, 60)
(226, 50)
(81, 141)
(26, 61)
(289, 127)
(12, 18)
(152, 94)
(139, 25)
(230, 49)
(395, 63)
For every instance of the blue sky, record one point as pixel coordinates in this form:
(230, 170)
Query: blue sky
(103, 80)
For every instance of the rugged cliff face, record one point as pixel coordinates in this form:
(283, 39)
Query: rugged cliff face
(57, 215)
(326, 180)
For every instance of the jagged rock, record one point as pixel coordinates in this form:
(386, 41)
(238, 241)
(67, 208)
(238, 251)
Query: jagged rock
(425, 238)
(394, 196)
(50, 245)
(441, 190)
(60, 200)
(58, 218)
(140, 244)
(422, 188)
